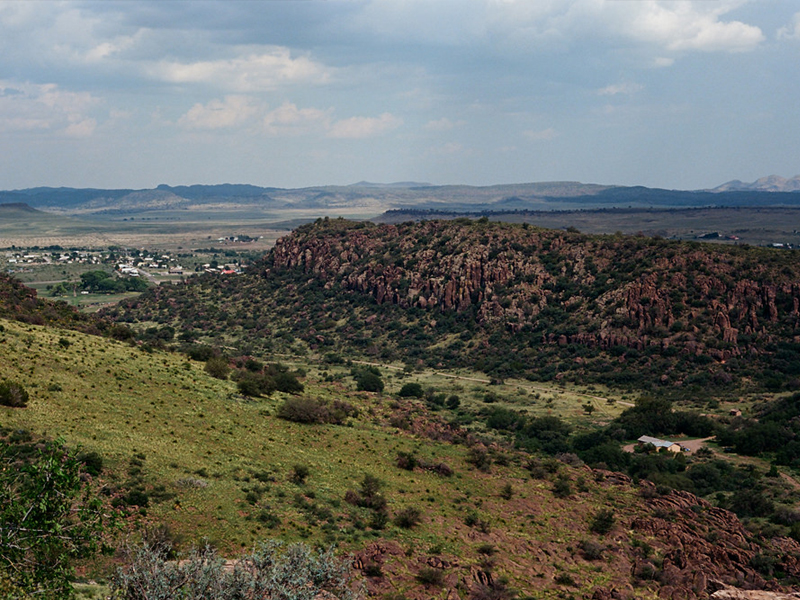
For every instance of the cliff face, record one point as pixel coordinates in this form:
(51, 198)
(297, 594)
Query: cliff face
(606, 291)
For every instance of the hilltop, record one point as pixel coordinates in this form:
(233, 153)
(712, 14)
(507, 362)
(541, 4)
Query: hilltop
(509, 300)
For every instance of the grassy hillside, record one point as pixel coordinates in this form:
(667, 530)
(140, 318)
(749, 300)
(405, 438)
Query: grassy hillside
(183, 449)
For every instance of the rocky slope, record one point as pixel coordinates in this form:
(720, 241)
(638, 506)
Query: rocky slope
(513, 299)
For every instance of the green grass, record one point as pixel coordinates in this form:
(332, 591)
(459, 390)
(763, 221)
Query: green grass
(209, 448)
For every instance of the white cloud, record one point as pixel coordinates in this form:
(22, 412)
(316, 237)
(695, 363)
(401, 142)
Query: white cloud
(31, 107)
(443, 124)
(620, 88)
(543, 135)
(363, 127)
(792, 30)
(289, 119)
(249, 73)
(233, 111)
(81, 128)
(238, 111)
(687, 25)
(675, 26)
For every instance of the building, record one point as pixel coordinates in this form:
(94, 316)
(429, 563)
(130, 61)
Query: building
(659, 444)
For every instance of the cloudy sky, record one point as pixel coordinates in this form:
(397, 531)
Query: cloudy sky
(291, 93)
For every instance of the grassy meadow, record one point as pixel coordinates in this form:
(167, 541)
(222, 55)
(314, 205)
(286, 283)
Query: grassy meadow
(218, 466)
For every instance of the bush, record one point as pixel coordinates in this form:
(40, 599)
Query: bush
(406, 460)
(270, 571)
(249, 387)
(367, 380)
(429, 576)
(591, 549)
(602, 521)
(217, 367)
(369, 494)
(408, 518)
(507, 492)
(301, 410)
(199, 352)
(562, 488)
(300, 473)
(92, 462)
(13, 394)
(411, 390)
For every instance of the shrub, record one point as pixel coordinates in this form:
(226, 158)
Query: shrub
(199, 352)
(507, 492)
(47, 519)
(368, 381)
(13, 394)
(479, 458)
(302, 410)
(497, 590)
(369, 495)
(92, 462)
(378, 519)
(270, 571)
(486, 549)
(163, 539)
(564, 579)
(248, 386)
(428, 576)
(288, 383)
(602, 521)
(373, 570)
(411, 390)
(562, 488)
(217, 367)
(591, 549)
(268, 518)
(408, 518)
(406, 460)
(300, 473)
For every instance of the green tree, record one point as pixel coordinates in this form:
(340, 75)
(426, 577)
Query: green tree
(368, 380)
(47, 518)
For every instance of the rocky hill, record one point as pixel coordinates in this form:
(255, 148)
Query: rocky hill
(511, 300)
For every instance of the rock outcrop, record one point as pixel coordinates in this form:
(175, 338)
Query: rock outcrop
(610, 292)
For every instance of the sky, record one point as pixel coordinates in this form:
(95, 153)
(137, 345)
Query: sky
(680, 94)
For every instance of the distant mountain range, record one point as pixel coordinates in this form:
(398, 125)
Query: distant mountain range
(771, 183)
(379, 197)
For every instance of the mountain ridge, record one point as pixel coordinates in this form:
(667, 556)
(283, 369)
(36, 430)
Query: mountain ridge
(769, 191)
